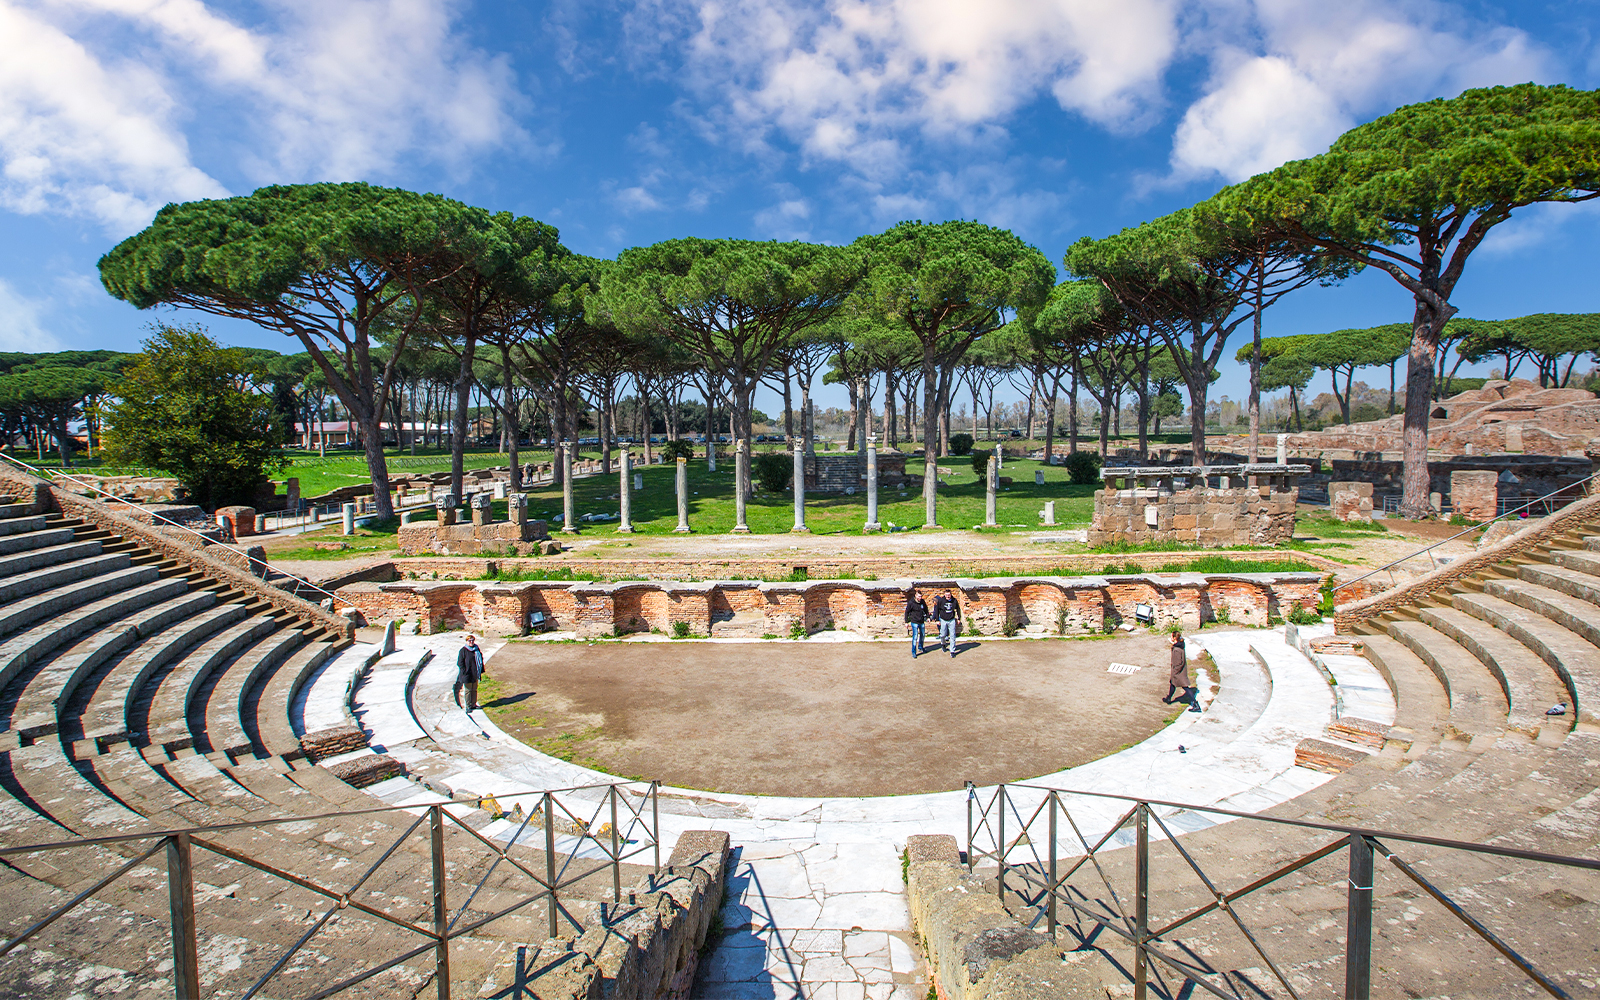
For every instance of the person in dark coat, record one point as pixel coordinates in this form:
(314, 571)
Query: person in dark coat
(469, 669)
(916, 619)
(1178, 680)
(947, 613)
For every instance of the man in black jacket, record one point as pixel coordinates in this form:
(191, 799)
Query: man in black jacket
(469, 668)
(948, 614)
(916, 617)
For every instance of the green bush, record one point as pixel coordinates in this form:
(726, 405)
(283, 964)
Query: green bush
(773, 470)
(1083, 468)
(674, 450)
(1299, 615)
(980, 461)
(960, 444)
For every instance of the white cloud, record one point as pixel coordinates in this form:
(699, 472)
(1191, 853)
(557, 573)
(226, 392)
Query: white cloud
(95, 97)
(855, 81)
(789, 219)
(21, 326)
(1315, 69)
(1536, 225)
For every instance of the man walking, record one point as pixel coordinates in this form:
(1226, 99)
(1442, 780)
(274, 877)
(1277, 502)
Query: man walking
(948, 614)
(469, 669)
(916, 617)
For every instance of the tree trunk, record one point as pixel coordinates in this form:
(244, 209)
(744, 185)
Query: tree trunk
(930, 435)
(1255, 365)
(1072, 415)
(788, 409)
(852, 388)
(1050, 417)
(463, 390)
(1197, 411)
(1426, 324)
(891, 429)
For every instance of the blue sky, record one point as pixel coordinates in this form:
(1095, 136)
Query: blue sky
(625, 123)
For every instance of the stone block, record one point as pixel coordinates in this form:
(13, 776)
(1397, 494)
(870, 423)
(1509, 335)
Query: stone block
(1475, 494)
(359, 772)
(241, 521)
(1362, 732)
(1329, 758)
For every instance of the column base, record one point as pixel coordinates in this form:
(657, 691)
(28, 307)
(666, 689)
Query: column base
(872, 526)
(625, 529)
(568, 531)
(799, 529)
(741, 529)
(682, 531)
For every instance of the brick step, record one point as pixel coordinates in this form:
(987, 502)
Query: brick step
(105, 712)
(216, 713)
(30, 647)
(1477, 704)
(172, 689)
(1527, 683)
(18, 542)
(16, 588)
(43, 697)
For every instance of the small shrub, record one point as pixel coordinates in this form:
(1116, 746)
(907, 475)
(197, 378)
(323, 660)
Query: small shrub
(769, 635)
(773, 470)
(1222, 616)
(1302, 615)
(1083, 468)
(680, 630)
(674, 450)
(980, 461)
(960, 444)
(1010, 627)
(798, 630)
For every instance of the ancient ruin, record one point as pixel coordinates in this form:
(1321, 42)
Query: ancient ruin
(482, 535)
(1217, 505)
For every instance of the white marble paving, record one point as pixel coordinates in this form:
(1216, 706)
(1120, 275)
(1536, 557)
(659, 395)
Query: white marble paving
(1360, 689)
(815, 904)
(323, 701)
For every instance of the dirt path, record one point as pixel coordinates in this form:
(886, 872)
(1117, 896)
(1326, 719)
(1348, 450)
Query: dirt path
(821, 718)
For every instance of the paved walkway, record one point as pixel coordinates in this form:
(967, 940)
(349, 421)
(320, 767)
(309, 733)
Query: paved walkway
(815, 904)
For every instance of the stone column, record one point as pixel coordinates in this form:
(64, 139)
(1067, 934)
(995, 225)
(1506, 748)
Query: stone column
(741, 475)
(499, 489)
(446, 506)
(991, 483)
(349, 518)
(261, 524)
(799, 490)
(1049, 512)
(711, 453)
(683, 496)
(625, 496)
(872, 489)
(517, 509)
(568, 508)
(1283, 449)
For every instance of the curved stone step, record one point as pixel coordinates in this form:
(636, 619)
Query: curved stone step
(165, 722)
(106, 714)
(1571, 582)
(31, 596)
(1477, 704)
(39, 706)
(50, 555)
(10, 525)
(30, 647)
(1579, 560)
(216, 713)
(267, 707)
(1528, 683)
(1543, 620)
(27, 541)
(48, 783)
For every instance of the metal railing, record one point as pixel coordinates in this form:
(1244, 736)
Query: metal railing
(146, 512)
(1504, 513)
(618, 822)
(1009, 824)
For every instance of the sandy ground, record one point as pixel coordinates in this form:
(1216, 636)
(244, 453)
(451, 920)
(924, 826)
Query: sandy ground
(830, 718)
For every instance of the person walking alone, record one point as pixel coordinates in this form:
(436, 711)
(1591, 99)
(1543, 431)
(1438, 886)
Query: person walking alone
(469, 670)
(1178, 680)
(916, 617)
(948, 614)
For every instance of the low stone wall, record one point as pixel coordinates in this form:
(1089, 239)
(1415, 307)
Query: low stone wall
(1249, 505)
(739, 609)
(1347, 616)
(219, 562)
(646, 947)
(975, 949)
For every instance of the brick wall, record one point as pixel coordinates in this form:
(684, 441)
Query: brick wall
(1475, 495)
(1239, 515)
(1039, 606)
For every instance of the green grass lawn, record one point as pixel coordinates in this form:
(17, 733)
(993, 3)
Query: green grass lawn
(711, 501)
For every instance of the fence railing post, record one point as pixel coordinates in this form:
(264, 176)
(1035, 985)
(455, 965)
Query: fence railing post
(655, 821)
(1141, 878)
(616, 852)
(1358, 922)
(972, 792)
(550, 858)
(441, 908)
(1051, 913)
(180, 903)
(1000, 843)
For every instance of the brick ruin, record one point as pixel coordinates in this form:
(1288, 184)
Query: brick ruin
(840, 472)
(1212, 506)
(516, 535)
(1001, 606)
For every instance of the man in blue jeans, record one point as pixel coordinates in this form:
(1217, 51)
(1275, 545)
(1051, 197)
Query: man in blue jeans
(948, 614)
(916, 616)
